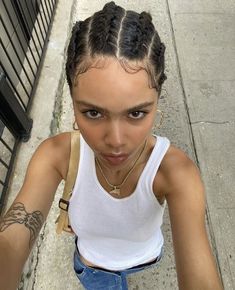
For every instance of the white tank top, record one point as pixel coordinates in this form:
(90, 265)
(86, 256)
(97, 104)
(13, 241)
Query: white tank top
(113, 233)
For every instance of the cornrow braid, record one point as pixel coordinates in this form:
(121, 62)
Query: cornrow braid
(127, 36)
(104, 31)
(77, 49)
(157, 57)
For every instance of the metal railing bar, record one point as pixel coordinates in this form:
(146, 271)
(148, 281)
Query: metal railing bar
(48, 13)
(13, 86)
(33, 23)
(27, 25)
(4, 163)
(36, 37)
(2, 183)
(20, 41)
(45, 29)
(51, 7)
(15, 70)
(5, 188)
(25, 34)
(38, 22)
(6, 145)
(42, 56)
(44, 14)
(28, 28)
(16, 52)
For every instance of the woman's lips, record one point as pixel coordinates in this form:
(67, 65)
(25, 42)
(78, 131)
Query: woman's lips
(115, 159)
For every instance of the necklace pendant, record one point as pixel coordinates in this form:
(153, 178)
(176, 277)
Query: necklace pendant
(115, 190)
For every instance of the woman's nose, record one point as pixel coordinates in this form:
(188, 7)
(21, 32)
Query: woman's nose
(114, 135)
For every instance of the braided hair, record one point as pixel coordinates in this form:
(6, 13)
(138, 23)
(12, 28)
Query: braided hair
(126, 35)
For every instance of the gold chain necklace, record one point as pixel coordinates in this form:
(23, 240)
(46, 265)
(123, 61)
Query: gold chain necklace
(116, 189)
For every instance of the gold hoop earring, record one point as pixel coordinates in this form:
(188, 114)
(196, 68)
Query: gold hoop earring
(75, 126)
(161, 120)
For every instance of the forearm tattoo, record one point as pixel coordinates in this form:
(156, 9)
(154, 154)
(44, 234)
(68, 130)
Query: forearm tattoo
(17, 214)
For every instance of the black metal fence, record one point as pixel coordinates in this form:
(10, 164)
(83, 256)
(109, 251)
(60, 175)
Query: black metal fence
(24, 31)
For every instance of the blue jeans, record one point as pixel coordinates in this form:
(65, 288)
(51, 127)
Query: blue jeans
(93, 278)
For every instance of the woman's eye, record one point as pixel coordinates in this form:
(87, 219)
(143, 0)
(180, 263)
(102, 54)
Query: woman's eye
(92, 114)
(137, 115)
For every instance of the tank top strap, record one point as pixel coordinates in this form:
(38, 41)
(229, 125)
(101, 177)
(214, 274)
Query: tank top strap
(153, 164)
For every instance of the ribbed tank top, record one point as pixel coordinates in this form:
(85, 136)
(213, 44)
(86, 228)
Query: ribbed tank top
(117, 234)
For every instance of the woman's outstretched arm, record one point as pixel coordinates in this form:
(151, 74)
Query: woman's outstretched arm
(195, 264)
(20, 226)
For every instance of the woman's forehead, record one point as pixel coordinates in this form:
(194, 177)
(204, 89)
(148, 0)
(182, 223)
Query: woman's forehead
(112, 80)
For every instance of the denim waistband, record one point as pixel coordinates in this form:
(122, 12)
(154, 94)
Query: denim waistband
(129, 270)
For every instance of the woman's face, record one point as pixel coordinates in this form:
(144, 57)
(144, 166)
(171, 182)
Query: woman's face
(115, 111)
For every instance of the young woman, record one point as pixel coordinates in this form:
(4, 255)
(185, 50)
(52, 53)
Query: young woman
(115, 71)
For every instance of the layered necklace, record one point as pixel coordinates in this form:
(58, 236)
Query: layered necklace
(116, 189)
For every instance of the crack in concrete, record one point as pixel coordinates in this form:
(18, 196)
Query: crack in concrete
(204, 13)
(226, 208)
(212, 234)
(38, 247)
(211, 122)
(182, 85)
(58, 108)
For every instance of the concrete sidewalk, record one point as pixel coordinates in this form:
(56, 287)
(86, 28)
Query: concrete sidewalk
(199, 107)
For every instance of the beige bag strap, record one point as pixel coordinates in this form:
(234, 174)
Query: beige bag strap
(70, 180)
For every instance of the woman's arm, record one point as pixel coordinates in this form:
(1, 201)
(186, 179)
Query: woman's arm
(21, 224)
(195, 264)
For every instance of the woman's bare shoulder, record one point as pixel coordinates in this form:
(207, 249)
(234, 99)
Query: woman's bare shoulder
(175, 157)
(57, 150)
(176, 170)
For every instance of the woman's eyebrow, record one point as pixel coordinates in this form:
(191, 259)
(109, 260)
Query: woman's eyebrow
(90, 105)
(131, 109)
(140, 106)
